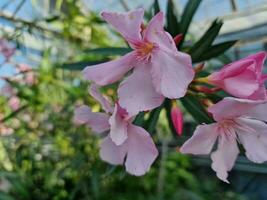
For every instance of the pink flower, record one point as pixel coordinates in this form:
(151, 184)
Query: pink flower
(125, 143)
(159, 69)
(177, 119)
(243, 78)
(237, 121)
(14, 103)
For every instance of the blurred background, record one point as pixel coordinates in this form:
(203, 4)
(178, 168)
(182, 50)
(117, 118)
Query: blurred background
(44, 155)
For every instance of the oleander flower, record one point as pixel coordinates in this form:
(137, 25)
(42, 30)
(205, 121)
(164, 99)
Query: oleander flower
(243, 78)
(159, 69)
(125, 142)
(237, 121)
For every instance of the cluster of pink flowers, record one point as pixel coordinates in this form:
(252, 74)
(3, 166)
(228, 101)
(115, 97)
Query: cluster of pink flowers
(159, 71)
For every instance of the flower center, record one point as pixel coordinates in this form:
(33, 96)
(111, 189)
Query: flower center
(227, 127)
(227, 123)
(144, 50)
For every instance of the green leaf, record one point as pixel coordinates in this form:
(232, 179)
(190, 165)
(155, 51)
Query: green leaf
(109, 51)
(188, 14)
(216, 50)
(195, 108)
(80, 65)
(156, 7)
(139, 119)
(151, 123)
(172, 19)
(206, 40)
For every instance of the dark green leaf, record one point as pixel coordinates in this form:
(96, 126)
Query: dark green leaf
(151, 123)
(206, 40)
(156, 7)
(80, 65)
(172, 19)
(109, 51)
(188, 14)
(216, 50)
(139, 119)
(195, 108)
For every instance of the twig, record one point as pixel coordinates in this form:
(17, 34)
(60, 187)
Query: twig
(13, 113)
(31, 24)
(18, 7)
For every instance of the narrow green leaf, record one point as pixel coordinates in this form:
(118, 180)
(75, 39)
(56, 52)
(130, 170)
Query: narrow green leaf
(139, 119)
(216, 50)
(172, 19)
(194, 107)
(109, 51)
(152, 121)
(187, 16)
(206, 40)
(156, 7)
(80, 65)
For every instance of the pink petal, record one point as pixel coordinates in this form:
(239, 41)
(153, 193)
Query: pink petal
(202, 141)
(231, 107)
(231, 70)
(259, 58)
(112, 153)
(242, 78)
(223, 159)
(128, 24)
(97, 121)
(141, 153)
(243, 85)
(259, 94)
(155, 33)
(105, 103)
(137, 93)
(171, 73)
(109, 72)
(259, 112)
(254, 140)
(118, 127)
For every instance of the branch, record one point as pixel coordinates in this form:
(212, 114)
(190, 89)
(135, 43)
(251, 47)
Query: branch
(22, 23)
(13, 113)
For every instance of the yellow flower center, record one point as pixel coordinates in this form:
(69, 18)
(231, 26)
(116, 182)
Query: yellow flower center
(144, 50)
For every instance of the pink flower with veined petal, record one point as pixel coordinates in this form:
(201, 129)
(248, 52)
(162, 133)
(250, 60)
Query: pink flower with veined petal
(126, 143)
(237, 120)
(243, 78)
(159, 69)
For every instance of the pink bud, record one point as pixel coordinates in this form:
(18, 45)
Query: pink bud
(177, 119)
(177, 39)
